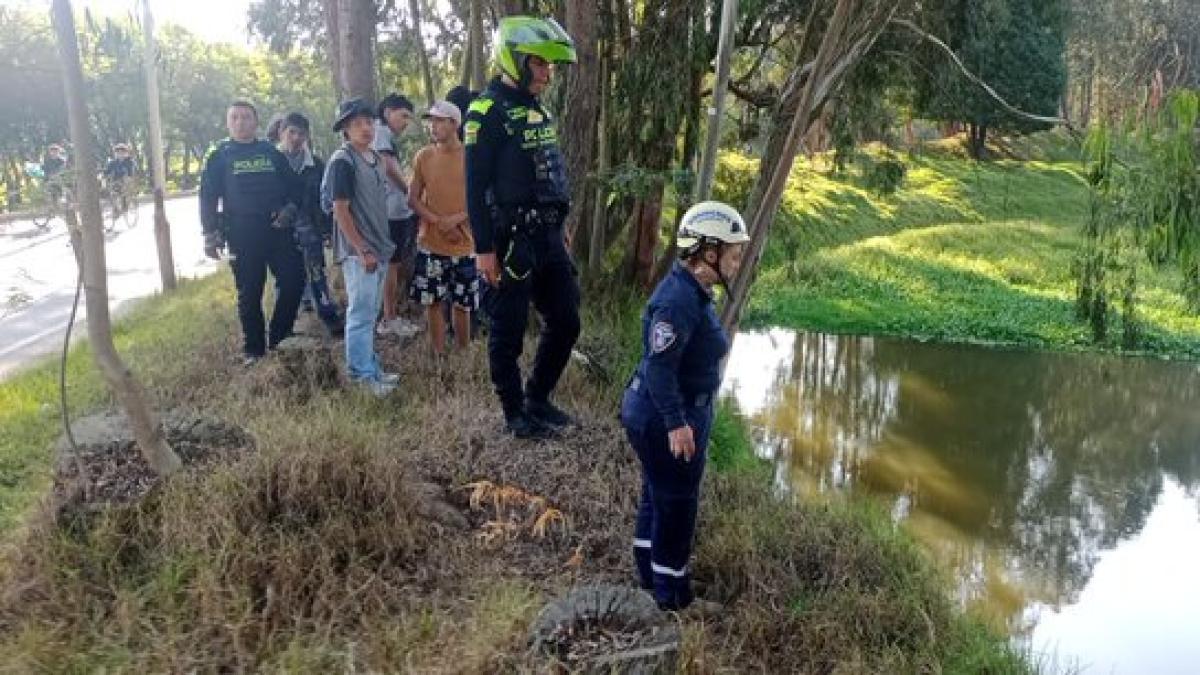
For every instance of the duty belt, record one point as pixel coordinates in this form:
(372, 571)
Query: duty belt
(689, 400)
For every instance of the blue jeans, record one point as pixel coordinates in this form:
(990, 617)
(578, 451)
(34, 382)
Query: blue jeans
(365, 292)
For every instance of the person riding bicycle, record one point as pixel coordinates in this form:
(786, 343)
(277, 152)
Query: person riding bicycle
(119, 174)
(54, 168)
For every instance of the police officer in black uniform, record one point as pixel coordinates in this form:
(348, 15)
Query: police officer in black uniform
(249, 197)
(517, 199)
(667, 409)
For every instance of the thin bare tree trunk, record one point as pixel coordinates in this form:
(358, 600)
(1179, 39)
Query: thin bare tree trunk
(333, 33)
(162, 228)
(581, 108)
(185, 181)
(129, 393)
(623, 25)
(716, 111)
(464, 77)
(414, 8)
(599, 201)
(762, 213)
(478, 60)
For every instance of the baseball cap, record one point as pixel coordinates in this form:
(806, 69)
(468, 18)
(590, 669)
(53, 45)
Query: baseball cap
(445, 110)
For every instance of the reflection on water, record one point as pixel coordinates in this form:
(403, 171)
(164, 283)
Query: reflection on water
(1063, 491)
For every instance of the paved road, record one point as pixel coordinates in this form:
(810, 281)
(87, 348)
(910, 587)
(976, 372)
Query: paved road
(38, 273)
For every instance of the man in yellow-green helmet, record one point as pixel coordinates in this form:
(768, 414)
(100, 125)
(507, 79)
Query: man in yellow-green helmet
(517, 200)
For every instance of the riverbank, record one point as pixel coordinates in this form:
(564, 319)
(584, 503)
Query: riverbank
(962, 252)
(315, 553)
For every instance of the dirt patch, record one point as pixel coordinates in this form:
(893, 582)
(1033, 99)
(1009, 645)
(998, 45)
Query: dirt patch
(113, 470)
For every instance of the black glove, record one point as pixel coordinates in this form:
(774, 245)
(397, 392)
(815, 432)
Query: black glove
(285, 218)
(214, 243)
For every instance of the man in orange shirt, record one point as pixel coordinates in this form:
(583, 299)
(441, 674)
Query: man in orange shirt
(445, 248)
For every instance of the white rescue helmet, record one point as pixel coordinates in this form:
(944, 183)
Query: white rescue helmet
(711, 223)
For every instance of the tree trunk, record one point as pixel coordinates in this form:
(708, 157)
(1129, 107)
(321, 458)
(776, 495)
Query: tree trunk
(146, 427)
(652, 108)
(166, 159)
(595, 258)
(185, 182)
(836, 55)
(162, 228)
(716, 111)
(414, 8)
(581, 108)
(333, 34)
(353, 49)
(977, 134)
(1085, 100)
(478, 59)
(623, 25)
(647, 213)
(464, 77)
(691, 146)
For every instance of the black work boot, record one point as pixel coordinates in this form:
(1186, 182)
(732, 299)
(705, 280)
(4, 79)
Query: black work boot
(548, 414)
(521, 425)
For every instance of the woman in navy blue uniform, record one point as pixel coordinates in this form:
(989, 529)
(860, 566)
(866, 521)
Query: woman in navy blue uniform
(667, 409)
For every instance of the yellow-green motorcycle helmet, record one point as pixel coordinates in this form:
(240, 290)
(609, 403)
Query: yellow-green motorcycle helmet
(520, 37)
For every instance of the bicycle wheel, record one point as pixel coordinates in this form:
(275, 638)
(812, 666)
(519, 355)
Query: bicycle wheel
(112, 213)
(130, 215)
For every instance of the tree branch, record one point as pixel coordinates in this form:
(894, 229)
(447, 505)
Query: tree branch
(979, 81)
(763, 98)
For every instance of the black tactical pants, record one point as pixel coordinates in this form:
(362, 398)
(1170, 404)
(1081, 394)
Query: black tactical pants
(538, 271)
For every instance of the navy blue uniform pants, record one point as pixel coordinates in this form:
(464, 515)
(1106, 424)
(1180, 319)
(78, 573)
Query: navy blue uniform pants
(666, 519)
(256, 248)
(554, 291)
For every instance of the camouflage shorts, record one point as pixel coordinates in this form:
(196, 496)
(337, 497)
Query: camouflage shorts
(440, 276)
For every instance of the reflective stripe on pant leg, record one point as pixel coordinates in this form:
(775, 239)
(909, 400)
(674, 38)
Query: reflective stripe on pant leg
(641, 541)
(675, 524)
(674, 490)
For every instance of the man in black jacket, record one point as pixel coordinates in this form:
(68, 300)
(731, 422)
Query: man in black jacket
(312, 224)
(250, 197)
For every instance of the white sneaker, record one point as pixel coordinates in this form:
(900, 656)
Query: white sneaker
(407, 329)
(399, 327)
(389, 378)
(378, 388)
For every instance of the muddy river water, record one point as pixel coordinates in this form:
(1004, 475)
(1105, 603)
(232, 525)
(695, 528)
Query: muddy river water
(1060, 491)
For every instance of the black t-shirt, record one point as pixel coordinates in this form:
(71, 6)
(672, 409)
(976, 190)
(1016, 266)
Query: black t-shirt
(341, 179)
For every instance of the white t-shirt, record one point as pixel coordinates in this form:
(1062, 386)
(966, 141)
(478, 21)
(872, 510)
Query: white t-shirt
(397, 197)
